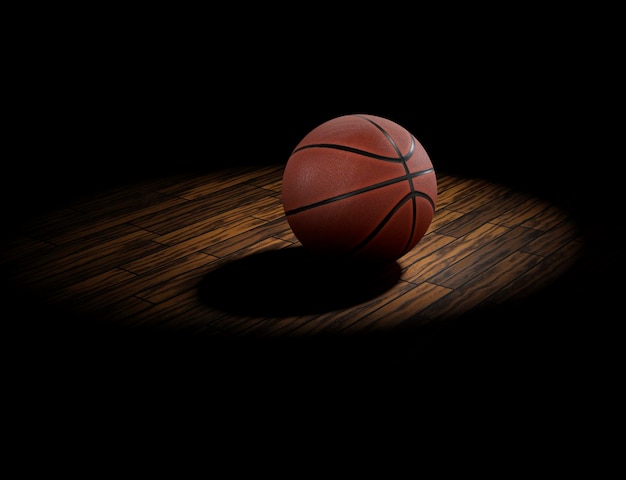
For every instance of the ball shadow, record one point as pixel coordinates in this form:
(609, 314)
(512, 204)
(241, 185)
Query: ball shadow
(293, 281)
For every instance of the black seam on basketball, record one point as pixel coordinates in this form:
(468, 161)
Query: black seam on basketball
(365, 153)
(359, 191)
(409, 196)
(412, 195)
(413, 222)
(407, 171)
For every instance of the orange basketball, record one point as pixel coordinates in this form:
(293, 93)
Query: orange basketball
(361, 187)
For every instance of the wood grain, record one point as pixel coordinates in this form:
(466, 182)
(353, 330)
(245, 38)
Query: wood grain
(135, 256)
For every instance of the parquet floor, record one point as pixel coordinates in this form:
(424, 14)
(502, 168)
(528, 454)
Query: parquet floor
(191, 289)
(213, 255)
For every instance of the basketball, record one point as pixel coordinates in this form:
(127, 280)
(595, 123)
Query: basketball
(361, 187)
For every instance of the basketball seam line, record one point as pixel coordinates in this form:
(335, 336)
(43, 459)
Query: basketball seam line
(365, 153)
(364, 190)
(383, 222)
(408, 177)
(411, 194)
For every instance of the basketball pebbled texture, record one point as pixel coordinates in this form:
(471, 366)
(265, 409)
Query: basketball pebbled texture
(359, 186)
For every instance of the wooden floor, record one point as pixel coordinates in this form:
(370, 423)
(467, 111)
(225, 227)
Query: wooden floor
(213, 255)
(192, 289)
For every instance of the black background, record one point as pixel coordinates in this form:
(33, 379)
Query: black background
(111, 96)
(103, 97)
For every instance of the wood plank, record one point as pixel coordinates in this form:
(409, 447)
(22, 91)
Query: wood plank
(282, 230)
(452, 252)
(92, 284)
(219, 178)
(271, 212)
(171, 219)
(236, 324)
(482, 197)
(401, 309)
(119, 311)
(121, 201)
(98, 211)
(227, 180)
(524, 212)
(96, 235)
(194, 239)
(445, 181)
(482, 213)
(268, 243)
(168, 314)
(271, 231)
(160, 274)
(442, 218)
(275, 186)
(269, 178)
(462, 272)
(464, 298)
(429, 244)
(540, 276)
(165, 262)
(241, 214)
(182, 281)
(547, 219)
(56, 271)
(338, 322)
(87, 226)
(553, 240)
(458, 189)
(21, 248)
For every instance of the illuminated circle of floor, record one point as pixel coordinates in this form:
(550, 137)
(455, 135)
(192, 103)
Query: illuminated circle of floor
(212, 254)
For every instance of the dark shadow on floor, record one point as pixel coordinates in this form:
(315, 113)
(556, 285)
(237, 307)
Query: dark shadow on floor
(292, 281)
